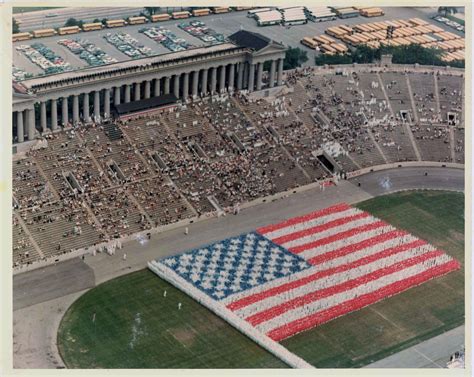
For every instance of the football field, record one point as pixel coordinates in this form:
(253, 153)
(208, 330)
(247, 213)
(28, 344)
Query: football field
(129, 323)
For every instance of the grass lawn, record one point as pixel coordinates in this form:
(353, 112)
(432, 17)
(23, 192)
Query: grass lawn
(455, 19)
(420, 313)
(136, 327)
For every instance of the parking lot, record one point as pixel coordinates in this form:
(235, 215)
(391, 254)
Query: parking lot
(225, 24)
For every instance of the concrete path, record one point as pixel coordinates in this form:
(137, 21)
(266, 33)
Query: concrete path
(386, 181)
(432, 353)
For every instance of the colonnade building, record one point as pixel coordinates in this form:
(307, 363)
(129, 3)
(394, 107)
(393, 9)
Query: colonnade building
(43, 104)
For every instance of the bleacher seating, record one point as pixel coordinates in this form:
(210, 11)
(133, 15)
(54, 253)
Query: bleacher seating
(100, 182)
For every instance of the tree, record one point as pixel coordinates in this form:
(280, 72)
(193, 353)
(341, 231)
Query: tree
(411, 54)
(294, 58)
(446, 10)
(73, 22)
(324, 59)
(15, 27)
(364, 54)
(151, 10)
(414, 53)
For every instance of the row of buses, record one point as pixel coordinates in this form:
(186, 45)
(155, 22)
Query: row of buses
(389, 33)
(325, 44)
(120, 22)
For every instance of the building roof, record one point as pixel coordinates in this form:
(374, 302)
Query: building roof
(255, 41)
(129, 64)
(145, 104)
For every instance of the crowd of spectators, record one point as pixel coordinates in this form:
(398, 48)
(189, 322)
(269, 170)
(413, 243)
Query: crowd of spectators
(97, 183)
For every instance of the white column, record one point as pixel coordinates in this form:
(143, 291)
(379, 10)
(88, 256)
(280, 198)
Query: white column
(107, 103)
(240, 76)
(222, 78)
(147, 89)
(251, 77)
(65, 111)
(259, 76)
(271, 83)
(167, 85)
(54, 115)
(127, 93)
(20, 131)
(195, 83)
(85, 108)
(176, 86)
(75, 109)
(97, 105)
(245, 80)
(43, 116)
(231, 76)
(30, 117)
(213, 79)
(204, 81)
(280, 72)
(157, 91)
(117, 95)
(136, 96)
(186, 85)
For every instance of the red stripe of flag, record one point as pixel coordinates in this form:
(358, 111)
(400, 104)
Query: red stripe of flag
(326, 315)
(277, 310)
(356, 246)
(243, 302)
(301, 219)
(338, 236)
(319, 228)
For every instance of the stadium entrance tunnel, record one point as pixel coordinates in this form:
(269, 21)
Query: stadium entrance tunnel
(328, 163)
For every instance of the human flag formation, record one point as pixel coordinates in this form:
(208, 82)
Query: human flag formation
(295, 275)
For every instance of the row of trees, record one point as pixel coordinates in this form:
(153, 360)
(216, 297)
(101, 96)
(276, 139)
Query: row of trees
(410, 54)
(15, 27)
(445, 10)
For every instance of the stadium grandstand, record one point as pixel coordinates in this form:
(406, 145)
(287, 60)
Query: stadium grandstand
(170, 144)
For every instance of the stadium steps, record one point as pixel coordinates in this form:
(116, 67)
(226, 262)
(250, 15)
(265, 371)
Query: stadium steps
(94, 161)
(436, 94)
(452, 144)
(45, 177)
(412, 99)
(27, 182)
(382, 87)
(34, 250)
(112, 131)
(459, 136)
(377, 145)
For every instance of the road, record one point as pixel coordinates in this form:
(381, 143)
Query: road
(432, 353)
(387, 181)
(40, 297)
(37, 20)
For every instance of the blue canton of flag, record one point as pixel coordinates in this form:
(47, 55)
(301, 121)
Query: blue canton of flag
(235, 264)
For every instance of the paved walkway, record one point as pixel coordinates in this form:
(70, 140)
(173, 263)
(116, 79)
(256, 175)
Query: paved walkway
(40, 297)
(432, 353)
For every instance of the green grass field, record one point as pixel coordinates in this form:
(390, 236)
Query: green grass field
(136, 327)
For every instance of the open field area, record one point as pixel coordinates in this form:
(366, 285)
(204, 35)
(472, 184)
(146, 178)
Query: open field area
(135, 326)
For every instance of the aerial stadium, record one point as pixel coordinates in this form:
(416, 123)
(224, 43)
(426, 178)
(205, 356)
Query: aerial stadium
(184, 197)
